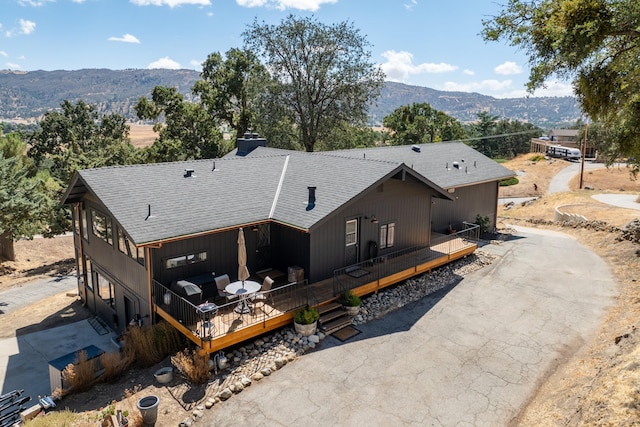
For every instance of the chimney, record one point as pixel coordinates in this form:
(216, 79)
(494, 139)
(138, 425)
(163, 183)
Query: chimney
(250, 142)
(312, 198)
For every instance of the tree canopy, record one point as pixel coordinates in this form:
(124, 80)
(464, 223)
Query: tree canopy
(595, 43)
(322, 73)
(229, 88)
(419, 123)
(188, 131)
(24, 200)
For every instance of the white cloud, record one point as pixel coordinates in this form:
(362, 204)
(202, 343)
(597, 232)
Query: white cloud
(78, 1)
(400, 66)
(165, 62)
(409, 6)
(13, 66)
(127, 38)
(310, 5)
(3, 53)
(555, 88)
(469, 72)
(27, 27)
(170, 3)
(485, 86)
(197, 65)
(508, 68)
(34, 3)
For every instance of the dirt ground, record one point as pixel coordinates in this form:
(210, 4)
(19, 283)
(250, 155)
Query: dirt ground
(596, 385)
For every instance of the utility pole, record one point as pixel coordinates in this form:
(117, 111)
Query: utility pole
(584, 150)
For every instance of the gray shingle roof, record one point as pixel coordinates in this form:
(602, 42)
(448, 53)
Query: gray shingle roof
(268, 184)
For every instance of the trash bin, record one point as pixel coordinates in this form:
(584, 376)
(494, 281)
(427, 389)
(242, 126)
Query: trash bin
(148, 407)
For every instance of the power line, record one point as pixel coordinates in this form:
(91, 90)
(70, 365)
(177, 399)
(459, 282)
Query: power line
(477, 138)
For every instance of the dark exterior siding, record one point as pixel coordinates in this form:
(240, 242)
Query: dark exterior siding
(469, 201)
(127, 275)
(289, 247)
(405, 203)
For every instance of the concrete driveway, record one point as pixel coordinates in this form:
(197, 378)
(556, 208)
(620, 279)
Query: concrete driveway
(469, 355)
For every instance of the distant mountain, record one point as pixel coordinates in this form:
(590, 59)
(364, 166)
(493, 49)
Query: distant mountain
(28, 95)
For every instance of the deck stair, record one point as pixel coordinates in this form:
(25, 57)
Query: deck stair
(333, 318)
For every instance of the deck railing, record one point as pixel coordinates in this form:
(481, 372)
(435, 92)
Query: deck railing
(207, 324)
(374, 269)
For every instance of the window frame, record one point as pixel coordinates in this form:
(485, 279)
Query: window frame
(387, 235)
(184, 260)
(349, 235)
(126, 246)
(107, 234)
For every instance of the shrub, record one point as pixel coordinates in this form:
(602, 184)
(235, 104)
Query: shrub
(483, 223)
(509, 181)
(149, 345)
(306, 316)
(79, 376)
(114, 365)
(350, 299)
(193, 365)
(536, 158)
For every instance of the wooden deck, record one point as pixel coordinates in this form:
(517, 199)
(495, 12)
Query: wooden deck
(214, 332)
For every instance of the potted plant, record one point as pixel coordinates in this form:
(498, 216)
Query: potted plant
(305, 321)
(351, 302)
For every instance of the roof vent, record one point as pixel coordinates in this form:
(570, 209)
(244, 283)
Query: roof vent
(456, 165)
(415, 148)
(188, 173)
(312, 198)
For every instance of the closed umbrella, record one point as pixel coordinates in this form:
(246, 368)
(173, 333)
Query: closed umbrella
(243, 271)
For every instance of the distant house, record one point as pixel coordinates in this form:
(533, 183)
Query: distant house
(564, 137)
(141, 229)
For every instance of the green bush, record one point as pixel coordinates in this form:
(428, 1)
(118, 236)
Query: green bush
(349, 299)
(509, 181)
(483, 223)
(537, 158)
(306, 316)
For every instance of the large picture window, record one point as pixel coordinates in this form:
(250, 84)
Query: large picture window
(126, 246)
(106, 291)
(351, 237)
(183, 260)
(101, 226)
(387, 235)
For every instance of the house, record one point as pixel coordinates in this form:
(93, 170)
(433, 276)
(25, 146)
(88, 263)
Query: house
(569, 138)
(141, 229)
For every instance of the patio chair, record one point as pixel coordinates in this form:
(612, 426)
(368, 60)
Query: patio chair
(221, 283)
(264, 294)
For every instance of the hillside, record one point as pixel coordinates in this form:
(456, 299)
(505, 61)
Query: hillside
(28, 95)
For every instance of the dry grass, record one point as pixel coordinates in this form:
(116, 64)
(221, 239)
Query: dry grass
(114, 365)
(193, 365)
(80, 376)
(142, 135)
(531, 171)
(614, 178)
(149, 345)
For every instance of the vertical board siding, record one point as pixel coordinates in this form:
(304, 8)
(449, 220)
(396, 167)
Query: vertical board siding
(469, 202)
(289, 247)
(405, 203)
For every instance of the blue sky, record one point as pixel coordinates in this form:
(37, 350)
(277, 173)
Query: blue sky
(432, 43)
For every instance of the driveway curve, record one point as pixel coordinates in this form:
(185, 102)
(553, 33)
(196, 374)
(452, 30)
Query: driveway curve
(560, 182)
(469, 355)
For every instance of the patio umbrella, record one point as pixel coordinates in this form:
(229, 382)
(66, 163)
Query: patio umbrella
(243, 271)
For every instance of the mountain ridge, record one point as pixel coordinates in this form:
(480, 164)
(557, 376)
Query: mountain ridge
(29, 94)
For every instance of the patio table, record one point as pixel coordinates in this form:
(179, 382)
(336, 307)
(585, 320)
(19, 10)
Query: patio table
(243, 290)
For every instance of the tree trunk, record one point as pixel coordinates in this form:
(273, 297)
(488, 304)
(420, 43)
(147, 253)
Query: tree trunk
(6, 248)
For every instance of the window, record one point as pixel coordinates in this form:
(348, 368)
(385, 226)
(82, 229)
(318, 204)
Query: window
(183, 260)
(126, 246)
(101, 226)
(89, 274)
(83, 222)
(106, 291)
(352, 232)
(387, 235)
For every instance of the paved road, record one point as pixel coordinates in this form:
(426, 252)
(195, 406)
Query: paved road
(467, 356)
(560, 181)
(628, 201)
(35, 291)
